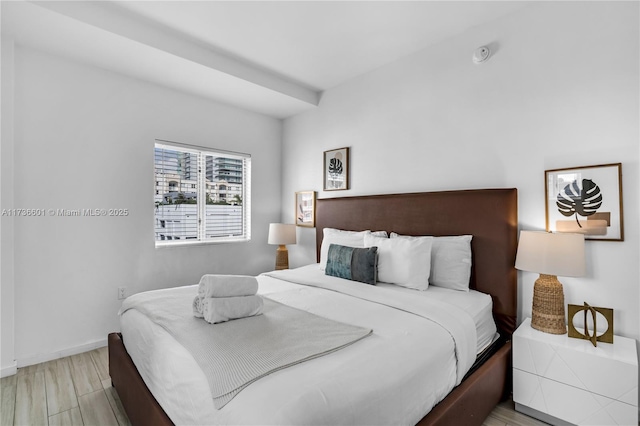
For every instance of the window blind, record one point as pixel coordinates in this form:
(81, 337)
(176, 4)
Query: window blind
(201, 195)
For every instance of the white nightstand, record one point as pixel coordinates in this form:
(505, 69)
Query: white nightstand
(561, 380)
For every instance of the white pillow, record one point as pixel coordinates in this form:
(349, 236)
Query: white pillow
(343, 238)
(402, 261)
(450, 261)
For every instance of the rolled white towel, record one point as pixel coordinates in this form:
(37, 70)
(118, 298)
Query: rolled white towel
(197, 307)
(227, 286)
(221, 309)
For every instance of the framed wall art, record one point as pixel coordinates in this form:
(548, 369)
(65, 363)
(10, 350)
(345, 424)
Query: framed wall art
(336, 169)
(306, 208)
(585, 200)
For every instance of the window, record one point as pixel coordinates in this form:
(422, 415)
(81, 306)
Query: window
(194, 201)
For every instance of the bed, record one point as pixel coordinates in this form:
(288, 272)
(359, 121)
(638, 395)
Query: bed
(489, 215)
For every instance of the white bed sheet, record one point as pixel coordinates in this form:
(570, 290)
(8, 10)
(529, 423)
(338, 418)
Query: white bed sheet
(477, 304)
(394, 376)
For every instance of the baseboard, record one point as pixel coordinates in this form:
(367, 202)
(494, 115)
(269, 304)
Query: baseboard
(532, 412)
(37, 359)
(10, 370)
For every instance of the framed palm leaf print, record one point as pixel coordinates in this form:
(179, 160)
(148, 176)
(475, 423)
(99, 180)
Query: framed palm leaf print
(336, 169)
(585, 200)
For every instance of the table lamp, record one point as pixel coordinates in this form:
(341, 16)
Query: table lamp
(282, 234)
(550, 255)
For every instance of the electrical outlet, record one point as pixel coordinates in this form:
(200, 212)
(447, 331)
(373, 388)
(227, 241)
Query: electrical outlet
(122, 293)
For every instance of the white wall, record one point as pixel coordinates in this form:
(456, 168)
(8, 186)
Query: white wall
(561, 90)
(7, 344)
(84, 139)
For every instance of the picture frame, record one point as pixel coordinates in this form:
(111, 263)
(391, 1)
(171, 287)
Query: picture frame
(305, 213)
(585, 200)
(336, 169)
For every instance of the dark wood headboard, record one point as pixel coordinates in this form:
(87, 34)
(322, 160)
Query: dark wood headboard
(490, 215)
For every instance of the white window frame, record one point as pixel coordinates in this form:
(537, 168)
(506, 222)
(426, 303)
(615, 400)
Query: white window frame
(201, 153)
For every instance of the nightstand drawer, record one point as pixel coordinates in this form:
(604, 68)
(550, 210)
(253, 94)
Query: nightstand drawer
(603, 370)
(569, 403)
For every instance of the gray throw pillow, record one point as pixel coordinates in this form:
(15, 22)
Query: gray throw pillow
(351, 263)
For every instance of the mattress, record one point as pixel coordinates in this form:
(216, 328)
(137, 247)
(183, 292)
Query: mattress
(396, 375)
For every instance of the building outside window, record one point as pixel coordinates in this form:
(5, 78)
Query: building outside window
(194, 201)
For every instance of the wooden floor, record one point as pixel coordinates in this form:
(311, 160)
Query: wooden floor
(505, 415)
(77, 391)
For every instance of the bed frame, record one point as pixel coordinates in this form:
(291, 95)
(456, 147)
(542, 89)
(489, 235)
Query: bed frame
(490, 215)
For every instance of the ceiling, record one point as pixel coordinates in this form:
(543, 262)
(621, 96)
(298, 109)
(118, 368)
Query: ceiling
(271, 57)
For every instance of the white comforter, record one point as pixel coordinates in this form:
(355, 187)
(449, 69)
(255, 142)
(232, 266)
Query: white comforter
(394, 376)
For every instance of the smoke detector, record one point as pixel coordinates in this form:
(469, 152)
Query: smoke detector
(481, 54)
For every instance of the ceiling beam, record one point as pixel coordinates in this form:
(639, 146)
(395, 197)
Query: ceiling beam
(111, 18)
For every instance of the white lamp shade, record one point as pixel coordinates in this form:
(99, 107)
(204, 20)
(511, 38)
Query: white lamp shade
(560, 254)
(282, 234)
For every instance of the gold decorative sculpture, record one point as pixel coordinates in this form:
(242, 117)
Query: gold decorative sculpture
(606, 337)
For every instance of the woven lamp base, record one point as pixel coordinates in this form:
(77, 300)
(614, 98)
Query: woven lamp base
(547, 313)
(282, 258)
